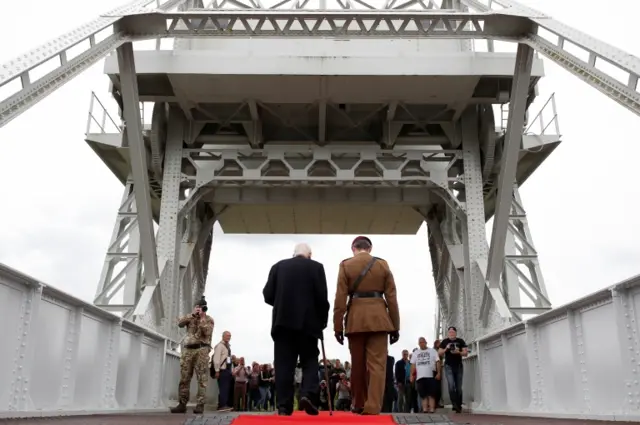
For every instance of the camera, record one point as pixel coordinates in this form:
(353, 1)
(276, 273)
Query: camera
(202, 303)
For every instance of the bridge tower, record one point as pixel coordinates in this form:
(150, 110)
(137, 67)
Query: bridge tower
(309, 146)
(320, 116)
(323, 116)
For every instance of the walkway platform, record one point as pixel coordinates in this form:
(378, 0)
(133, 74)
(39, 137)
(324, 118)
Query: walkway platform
(228, 418)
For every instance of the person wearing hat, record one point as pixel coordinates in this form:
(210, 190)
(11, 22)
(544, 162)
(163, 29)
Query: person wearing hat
(366, 312)
(195, 356)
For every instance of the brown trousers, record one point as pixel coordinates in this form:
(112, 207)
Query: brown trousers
(368, 370)
(240, 396)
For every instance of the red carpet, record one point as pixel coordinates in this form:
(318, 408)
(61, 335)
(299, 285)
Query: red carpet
(338, 418)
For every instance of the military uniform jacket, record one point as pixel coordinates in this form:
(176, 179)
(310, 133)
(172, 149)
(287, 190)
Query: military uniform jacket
(366, 314)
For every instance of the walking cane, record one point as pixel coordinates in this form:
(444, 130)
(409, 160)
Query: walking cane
(326, 377)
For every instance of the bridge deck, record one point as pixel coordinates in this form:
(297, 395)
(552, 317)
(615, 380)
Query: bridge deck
(226, 419)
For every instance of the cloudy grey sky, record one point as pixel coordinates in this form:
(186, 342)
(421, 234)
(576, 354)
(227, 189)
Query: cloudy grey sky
(59, 200)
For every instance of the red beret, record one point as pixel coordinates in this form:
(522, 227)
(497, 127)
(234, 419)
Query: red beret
(361, 238)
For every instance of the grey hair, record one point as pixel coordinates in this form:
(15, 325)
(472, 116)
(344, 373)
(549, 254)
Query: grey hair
(302, 249)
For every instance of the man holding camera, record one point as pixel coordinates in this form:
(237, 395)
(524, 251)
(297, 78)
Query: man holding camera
(195, 356)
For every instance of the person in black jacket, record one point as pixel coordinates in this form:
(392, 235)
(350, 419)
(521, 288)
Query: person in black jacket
(297, 291)
(389, 389)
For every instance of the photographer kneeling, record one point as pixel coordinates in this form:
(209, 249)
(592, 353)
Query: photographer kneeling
(195, 356)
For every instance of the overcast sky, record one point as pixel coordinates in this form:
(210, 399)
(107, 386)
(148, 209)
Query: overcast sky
(59, 200)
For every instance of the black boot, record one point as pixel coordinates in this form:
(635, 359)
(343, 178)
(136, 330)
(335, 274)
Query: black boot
(199, 409)
(180, 408)
(308, 406)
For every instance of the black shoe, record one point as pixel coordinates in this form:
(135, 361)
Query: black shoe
(284, 412)
(357, 410)
(308, 406)
(180, 408)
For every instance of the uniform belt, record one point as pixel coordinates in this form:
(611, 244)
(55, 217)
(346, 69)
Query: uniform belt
(367, 295)
(195, 346)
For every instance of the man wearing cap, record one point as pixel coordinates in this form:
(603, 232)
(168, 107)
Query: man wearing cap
(366, 312)
(195, 356)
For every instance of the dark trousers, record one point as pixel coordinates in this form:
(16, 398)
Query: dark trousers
(413, 399)
(232, 385)
(288, 346)
(454, 376)
(224, 384)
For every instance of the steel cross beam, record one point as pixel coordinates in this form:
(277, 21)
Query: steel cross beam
(138, 154)
(509, 164)
(345, 23)
(327, 4)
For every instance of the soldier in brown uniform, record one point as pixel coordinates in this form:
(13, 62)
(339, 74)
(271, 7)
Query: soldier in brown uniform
(195, 356)
(366, 312)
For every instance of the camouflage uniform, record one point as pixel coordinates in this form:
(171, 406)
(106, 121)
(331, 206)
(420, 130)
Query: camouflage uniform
(199, 331)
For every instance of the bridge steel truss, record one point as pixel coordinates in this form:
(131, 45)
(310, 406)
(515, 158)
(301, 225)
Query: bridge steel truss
(457, 235)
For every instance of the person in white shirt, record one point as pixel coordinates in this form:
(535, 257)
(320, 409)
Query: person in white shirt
(425, 370)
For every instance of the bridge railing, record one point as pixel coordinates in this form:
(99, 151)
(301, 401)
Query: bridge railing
(60, 355)
(580, 360)
(544, 123)
(99, 120)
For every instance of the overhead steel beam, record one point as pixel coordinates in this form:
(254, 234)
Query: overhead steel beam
(138, 155)
(509, 163)
(314, 23)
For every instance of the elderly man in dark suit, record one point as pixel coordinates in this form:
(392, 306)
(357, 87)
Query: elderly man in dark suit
(297, 291)
(366, 311)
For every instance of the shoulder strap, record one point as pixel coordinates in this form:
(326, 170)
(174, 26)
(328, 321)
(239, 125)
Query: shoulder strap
(361, 276)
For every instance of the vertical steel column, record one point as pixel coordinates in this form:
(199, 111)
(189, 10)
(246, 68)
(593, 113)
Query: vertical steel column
(474, 232)
(628, 346)
(72, 346)
(158, 374)
(138, 155)
(510, 364)
(132, 380)
(20, 398)
(112, 360)
(536, 369)
(509, 163)
(170, 230)
(576, 341)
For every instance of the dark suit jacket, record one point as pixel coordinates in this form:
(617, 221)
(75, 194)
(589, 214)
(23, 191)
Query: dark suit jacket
(366, 314)
(400, 372)
(297, 290)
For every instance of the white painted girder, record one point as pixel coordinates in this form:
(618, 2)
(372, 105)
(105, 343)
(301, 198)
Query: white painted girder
(509, 164)
(138, 154)
(369, 24)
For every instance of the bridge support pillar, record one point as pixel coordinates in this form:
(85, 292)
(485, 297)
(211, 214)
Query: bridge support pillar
(170, 228)
(474, 229)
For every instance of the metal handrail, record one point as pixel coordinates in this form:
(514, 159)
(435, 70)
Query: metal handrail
(539, 117)
(105, 115)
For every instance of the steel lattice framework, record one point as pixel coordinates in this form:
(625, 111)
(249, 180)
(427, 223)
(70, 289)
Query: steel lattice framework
(166, 260)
